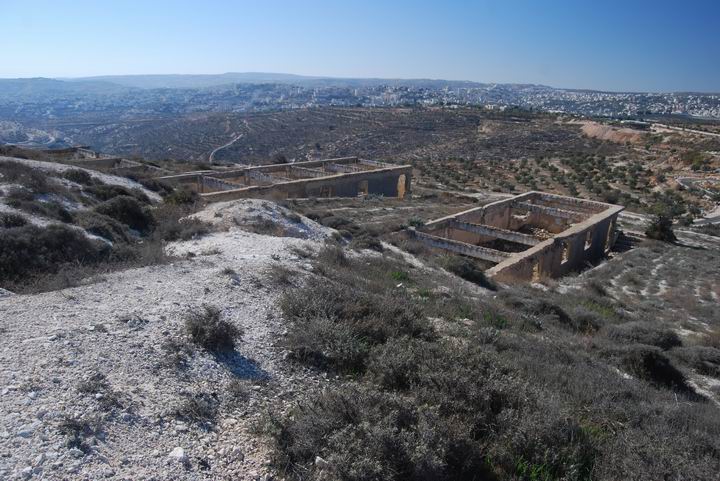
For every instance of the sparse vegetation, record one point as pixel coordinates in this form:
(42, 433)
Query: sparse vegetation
(79, 176)
(501, 388)
(29, 250)
(181, 196)
(280, 275)
(468, 270)
(660, 228)
(78, 432)
(366, 242)
(8, 220)
(404, 370)
(201, 408)
(129, 211)
(127, 230)
(207, 329)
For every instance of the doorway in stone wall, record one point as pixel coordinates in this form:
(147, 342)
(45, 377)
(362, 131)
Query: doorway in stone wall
(401, 187)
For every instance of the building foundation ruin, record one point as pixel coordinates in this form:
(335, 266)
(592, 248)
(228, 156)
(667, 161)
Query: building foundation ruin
(528, 237)
(342, 177)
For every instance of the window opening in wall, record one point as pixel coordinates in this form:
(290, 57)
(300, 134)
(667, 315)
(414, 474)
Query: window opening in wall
(610, 230)
(401, 187)
(565, 252)
(588, 239)
(536, 271)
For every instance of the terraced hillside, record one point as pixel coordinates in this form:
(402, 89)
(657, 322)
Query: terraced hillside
(468, 149)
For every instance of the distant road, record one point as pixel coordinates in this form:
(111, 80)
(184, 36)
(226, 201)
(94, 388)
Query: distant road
(211, 158)
(689, 183)
(661, 127)
(712, 217)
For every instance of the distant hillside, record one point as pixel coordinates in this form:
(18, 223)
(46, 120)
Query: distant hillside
(210, 80)
(142, 97)
(32, 89)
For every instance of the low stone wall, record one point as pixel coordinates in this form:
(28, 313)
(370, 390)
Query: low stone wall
(463, 248)
(280, 181)
(390, 182)
(102, 163)
(211, 184)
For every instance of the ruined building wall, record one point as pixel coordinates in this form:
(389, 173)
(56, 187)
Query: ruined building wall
(379, 182)
(562, 254)
(583, 232)
(340, 177)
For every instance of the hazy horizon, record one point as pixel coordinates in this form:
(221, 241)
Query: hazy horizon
(303, 76)
(640, 47)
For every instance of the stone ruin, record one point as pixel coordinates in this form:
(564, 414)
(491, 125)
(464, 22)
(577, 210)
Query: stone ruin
(341, 177)
(528, 237)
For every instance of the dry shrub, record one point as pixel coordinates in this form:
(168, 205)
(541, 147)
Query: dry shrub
(468, 270)
(106, 192)
(127, 210)
(30, 250)
(703, 359)
(489, 398)
(49, 209)
(180, 196)
(208, 330)
(79, 176)
(200, 408)
(643, 333)
(9, 220)
(366, 242)
(103, 226)
(266, 226)
(17, 173)
(280, 275)
(458, 415)
(649, 363)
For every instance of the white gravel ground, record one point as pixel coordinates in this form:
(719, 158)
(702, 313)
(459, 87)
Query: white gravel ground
(116, 326)
(106, 178)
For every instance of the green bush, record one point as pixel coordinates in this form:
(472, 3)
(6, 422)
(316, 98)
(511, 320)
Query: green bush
(9, 220)
(29, 249)
(334, 326)
(181, 196)
(106, 192)
(127, 210)
(661, 229)
(644, 333)
(102, 226)
(79, 176)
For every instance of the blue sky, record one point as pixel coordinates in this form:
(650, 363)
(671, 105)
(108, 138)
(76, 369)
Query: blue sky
(634, 45)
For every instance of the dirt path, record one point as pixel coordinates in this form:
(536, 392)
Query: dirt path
(211, 157)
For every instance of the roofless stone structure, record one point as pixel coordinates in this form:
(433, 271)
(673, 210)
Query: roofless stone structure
(528, 237)
(342, 177)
